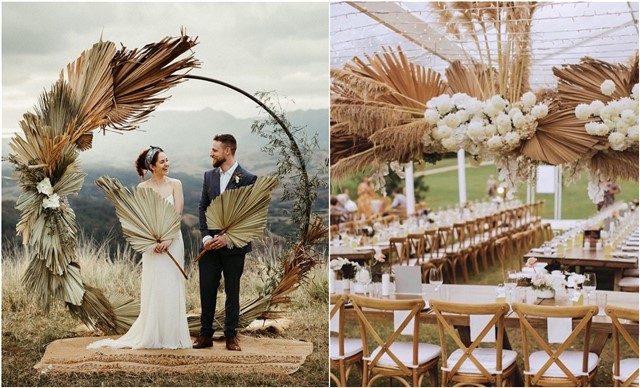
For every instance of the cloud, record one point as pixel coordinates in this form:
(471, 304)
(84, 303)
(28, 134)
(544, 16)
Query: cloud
(255, 46)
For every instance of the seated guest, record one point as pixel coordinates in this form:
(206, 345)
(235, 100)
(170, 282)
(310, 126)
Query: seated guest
(399, 199)
(337, 213)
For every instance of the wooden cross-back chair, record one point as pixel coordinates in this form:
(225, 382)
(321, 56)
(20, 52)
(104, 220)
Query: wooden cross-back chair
(504, 252)
(393, 358)
(417, 248)
(398, 251)
(547, 232)
(431, 258)
(344, 352)
(625, 371)
(559, 366)
(446, 252)
(475, 365)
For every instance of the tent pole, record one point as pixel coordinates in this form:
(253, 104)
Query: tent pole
(462, 181)
(409, 188)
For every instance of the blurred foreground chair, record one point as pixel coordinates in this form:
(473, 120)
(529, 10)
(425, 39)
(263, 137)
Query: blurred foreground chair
(392, 358)
(557, 367)
(344, 352)
(625, 372)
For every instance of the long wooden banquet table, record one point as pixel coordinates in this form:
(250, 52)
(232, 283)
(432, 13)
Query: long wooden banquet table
(577, 256)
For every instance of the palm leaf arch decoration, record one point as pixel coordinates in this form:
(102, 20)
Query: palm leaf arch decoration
(378, 103)
(117, 90)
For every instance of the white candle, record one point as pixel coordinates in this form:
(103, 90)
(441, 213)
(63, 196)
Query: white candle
(385, 284)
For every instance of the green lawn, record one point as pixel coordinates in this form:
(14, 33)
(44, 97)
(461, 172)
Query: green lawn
(443, 190)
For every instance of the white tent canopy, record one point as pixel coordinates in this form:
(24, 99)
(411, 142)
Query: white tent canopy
(562, 33)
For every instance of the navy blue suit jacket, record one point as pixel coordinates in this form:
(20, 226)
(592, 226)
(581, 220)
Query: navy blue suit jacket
(210, 190)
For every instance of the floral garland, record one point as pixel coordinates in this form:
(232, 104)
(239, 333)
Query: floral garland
(488, 130)
(618, 119)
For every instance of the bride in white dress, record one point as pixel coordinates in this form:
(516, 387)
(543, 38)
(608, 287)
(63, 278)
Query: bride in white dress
(162, 323)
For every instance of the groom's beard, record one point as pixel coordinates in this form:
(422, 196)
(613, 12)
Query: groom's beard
(217, 163)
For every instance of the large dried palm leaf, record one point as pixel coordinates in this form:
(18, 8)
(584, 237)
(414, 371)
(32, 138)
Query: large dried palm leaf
(356, 162)
(404, 142)
(580, 83)
(344, 143)
(241, 214)
(139, 76)
(146, 217)
(559, 138)
(617, 165)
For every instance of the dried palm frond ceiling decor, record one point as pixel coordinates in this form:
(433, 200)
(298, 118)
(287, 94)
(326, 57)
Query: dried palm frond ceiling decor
(390, 111)
(116, 89)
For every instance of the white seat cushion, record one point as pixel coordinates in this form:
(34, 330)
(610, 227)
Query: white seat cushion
(404, 352)
(352, 346)
(627, 367)
(630, 272)
(572, 360)
(486, 356)
(629, 282)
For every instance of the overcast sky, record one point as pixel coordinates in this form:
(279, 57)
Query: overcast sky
(255, 46)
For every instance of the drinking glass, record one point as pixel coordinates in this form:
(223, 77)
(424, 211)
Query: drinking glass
(435, 278)
(510, 282)
(589, 284)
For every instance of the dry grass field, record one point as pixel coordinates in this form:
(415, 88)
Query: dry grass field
(26, 330)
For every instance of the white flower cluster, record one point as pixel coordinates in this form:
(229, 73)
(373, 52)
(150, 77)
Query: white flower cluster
(618, 119)
(542, 279)
(52, 199)
(482, 128)
(336, 264)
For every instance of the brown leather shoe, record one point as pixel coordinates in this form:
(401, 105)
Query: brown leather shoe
(232, 343)
(203, 342)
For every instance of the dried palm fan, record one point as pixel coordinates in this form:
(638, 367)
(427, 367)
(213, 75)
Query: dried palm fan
(473, 80)
(559, 138)
(146, 217)
(580, 83)
(241, 213)
(387, 92)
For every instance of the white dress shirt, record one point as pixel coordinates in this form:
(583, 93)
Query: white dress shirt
(225, 177)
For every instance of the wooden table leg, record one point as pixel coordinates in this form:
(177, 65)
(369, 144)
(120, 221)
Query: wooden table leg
(617, 275)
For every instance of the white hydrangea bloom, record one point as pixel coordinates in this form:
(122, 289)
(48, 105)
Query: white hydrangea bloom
(490, 130)
(596, 106)
(583, 111)
(610, 124)
(44, 187)
(463, 116)
(441, 132)
(450, 143)
(528, 99)
(473, 106)
(451, 120)
(460, 99)
(608, 87)
(498, 102)
(632, 133)
(475, 130)
(634, 92)
(591, 127)
(431, 116)
(602, 129)
(52, 201)
(445, 105)
(494, 143)
(622, 127)
(539, 111)
(617, 141)
(512, 139)
(519, 120)
(629, 117)
(490, 110)
(608, 113)
(503, 122)
(514, 112)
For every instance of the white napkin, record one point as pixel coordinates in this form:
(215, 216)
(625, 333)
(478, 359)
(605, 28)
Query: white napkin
(558, 329)
(334, 324)
(398, 317)
(477, 323)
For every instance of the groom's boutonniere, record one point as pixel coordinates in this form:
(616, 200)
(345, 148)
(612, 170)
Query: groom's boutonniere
(236, 177)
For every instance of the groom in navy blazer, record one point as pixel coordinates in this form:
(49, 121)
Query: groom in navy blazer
(219, 260)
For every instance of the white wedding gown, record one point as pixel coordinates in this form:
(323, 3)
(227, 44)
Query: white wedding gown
(162, 323)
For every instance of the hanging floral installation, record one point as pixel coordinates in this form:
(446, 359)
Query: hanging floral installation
(486, 107)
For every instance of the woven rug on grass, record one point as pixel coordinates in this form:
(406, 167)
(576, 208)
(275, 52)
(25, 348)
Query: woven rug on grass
(258, 355)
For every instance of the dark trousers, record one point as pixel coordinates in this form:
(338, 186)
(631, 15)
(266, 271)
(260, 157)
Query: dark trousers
(212, 267)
